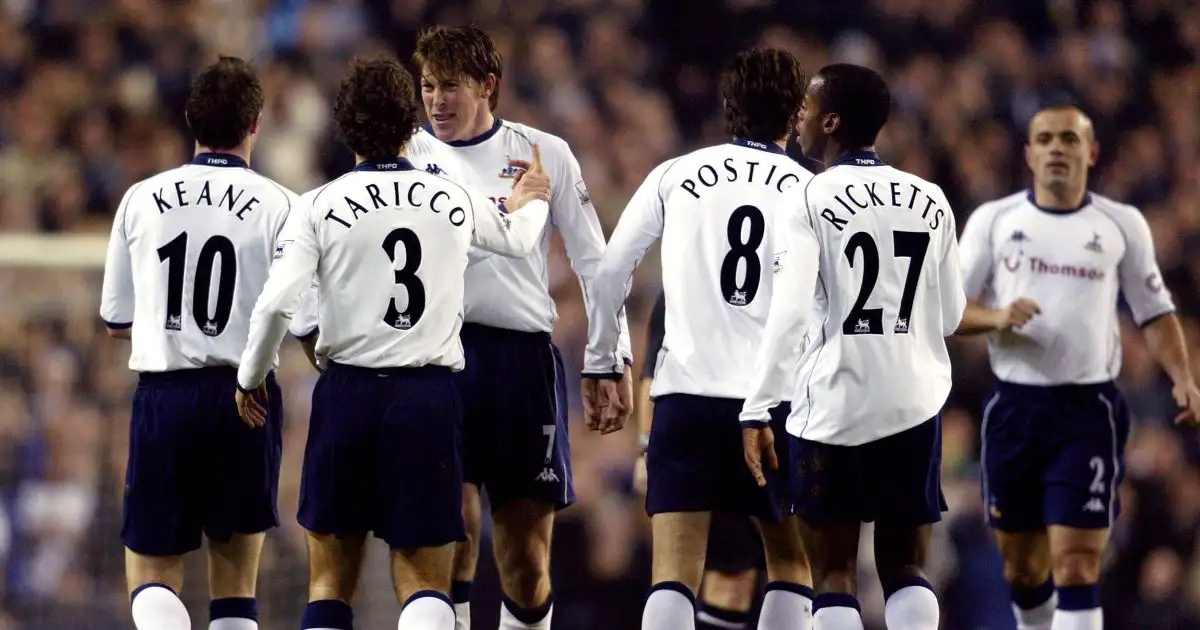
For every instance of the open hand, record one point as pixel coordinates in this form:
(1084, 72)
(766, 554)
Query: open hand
(252, 407)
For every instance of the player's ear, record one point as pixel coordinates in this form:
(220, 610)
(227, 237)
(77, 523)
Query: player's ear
(831, 123)
(257, 124)
(490, 85)
(1093, 152)
(1029, 155)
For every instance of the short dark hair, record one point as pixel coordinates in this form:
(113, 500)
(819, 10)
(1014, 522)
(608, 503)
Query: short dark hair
(376, 107)
(224, 103)
(860, 97)
(763, 89)
(451, 52)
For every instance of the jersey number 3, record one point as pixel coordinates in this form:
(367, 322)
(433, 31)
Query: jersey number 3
(869, 321)
(743, 250)
(406, 277)
(174, 254)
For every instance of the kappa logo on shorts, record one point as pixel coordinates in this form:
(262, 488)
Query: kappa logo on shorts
(1094, 504)
(547, 475)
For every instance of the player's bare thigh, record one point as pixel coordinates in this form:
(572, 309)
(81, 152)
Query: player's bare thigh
(1026, 556)
(522, 531)
(333, 566)
(680, 539)
(421, 569)
(233, 566)
(466, 553)
(783, 547)
(1076, 555)
(141, 569)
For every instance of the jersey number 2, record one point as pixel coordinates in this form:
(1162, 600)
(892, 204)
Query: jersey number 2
(743, 249)
(174, 254)
(869, 321)
(406, 277)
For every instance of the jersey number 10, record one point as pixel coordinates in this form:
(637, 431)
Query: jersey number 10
(175, 254)
(869, 321)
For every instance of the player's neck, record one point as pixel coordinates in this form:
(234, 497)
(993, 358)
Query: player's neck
(483, 124)
(1050, 199)
(403, 152)
(242, 150)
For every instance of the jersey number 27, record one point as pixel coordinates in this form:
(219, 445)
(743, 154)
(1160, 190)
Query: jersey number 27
(869, 321)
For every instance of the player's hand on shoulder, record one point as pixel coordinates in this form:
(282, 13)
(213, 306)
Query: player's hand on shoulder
(758, 444)
(533, 183)
(1187, 396)
(252, 406)
(1016, 314)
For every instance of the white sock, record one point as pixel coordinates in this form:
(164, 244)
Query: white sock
(786, 606)
(1068, 620)
(427, 612)
(912, 608)
(837, 618)
(462, 616)
(1037, 618)
(668, 608)
(508, 621)
(232, 623)
(158, 608)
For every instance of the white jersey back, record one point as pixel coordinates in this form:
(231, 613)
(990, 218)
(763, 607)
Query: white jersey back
(1073, 264)
(426, 153)
(196, 242)
(888, 293)
(389, 246)
(715, 210)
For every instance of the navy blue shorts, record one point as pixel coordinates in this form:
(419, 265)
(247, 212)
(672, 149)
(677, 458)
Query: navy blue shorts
(194, 466)
(383, 456)
(1053, 455)
(515, 405)
(895, 480)
(694, 462)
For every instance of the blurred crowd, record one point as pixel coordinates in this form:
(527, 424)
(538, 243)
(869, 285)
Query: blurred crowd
(91, 100)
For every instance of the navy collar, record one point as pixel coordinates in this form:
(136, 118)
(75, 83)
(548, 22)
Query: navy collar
(395, 164)
(770, 147)
(470, 142)
(859, 158)
(214, 158)
(1087, 200)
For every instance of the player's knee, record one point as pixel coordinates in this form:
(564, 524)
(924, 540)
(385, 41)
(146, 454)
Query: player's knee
(1077, 566)
(1027, 570)
(729, 591)
(233, 566)
(837, 575)
(141, 569)
(524, 569)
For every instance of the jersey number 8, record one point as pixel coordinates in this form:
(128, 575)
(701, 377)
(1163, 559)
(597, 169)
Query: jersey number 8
(743, 250)
(869, 321)
(406, 277)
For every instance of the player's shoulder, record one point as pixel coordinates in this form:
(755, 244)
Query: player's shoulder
(1118, 211)
(989, 211)
(269, 194)
(551, 146)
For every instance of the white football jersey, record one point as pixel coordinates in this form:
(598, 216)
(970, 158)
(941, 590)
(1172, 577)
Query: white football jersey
(388, 244)
(188, 255)
(514, 294)
(715, 210)
(426, 153)
(873, 264)
(1073, 264)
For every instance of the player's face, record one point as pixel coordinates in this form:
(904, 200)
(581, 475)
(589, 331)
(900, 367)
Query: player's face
(1061, 149)
(454, 107)
(810, 132)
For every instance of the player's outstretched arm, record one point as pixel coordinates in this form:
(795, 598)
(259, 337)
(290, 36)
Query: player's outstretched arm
(976, 260)
(296, 258)
(641, 224)
(517, 233)
(117, 296)
(798, 267)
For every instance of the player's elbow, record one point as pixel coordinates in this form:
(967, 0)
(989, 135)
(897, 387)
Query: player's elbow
(119, 333)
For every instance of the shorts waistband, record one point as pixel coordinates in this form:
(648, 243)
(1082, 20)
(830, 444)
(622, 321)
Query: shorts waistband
(1066, 388)
(191, 375)
(416, 370)
(504, 334)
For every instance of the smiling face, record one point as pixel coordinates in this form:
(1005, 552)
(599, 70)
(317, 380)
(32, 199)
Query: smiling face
(457, 108)
(1061, 149)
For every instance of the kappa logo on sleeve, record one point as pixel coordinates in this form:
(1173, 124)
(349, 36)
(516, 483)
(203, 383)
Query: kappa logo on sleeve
(582, 191)
(280, 248)
(777, 265)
